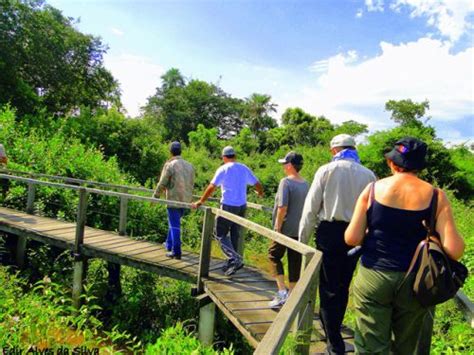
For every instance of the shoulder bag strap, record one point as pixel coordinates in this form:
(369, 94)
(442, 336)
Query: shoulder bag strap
(434, 209)
(371, 194)
(431, 230)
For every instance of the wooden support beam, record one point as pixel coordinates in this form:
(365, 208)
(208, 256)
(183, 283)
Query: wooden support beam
(21, 251)
(115, 288)
(78, 279)
(79, 267)
(22, 240)
(205, 255)
(207, 319)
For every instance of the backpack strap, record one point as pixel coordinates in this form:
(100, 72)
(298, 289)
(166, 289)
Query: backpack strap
(431, 231)
(371, 194)
(433, 209)
(415, 256)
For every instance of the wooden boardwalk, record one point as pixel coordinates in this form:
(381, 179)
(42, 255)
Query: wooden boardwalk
(243, 297)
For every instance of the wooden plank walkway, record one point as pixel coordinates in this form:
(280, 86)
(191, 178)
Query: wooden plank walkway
(243, 297)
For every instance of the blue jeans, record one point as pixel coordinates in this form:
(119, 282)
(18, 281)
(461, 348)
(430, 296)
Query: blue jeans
(173, 240)
(225, 227)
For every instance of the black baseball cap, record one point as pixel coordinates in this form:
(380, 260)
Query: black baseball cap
(175, 147)
(293, 158)
(408, 153)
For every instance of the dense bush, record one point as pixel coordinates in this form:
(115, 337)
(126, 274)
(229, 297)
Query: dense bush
(42, 317)
(177, 340)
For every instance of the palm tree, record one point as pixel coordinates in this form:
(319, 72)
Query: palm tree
(256, 113)
(171, 79)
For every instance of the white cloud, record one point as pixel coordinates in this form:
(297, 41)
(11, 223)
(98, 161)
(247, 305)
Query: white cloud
(117, 31)
(324, 65)
(419, 70)
(374, 5)
(138, 78)
(450, 17)
(359, 13)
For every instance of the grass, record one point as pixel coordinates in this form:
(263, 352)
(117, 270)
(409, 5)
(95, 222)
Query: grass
(40, 316)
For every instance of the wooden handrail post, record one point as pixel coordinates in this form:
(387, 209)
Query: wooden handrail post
(205, 255)
(305, 317)
(21, 242)
(115, 288)
(241, 242)
(30, 204)
(79, 261)
(123, 214)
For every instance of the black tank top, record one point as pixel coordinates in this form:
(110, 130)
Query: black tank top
(393, 236)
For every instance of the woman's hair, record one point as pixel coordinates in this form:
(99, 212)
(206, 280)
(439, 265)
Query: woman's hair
(402, 169)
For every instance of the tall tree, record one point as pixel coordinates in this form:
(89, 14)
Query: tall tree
(172, 79)
(408, 113)
(256, 113)
(178, 107)
(45, 63)
(296, 116)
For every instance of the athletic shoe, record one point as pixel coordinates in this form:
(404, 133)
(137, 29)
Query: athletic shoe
(234, 268)
(173, 255)
(279, 299)
(226, 265)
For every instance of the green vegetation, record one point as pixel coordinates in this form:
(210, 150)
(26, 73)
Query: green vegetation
(71, 124)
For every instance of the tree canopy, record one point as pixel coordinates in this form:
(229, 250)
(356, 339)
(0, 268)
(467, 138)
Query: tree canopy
(179, 106)
(408, 113)
(46, 64)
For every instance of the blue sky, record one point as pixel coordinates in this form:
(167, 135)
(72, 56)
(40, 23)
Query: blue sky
(343, 59)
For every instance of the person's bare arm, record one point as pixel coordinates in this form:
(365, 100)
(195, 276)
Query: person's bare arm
(259, 189)
(355, 232)
(280, 218)
(453, 243)
(208, 192)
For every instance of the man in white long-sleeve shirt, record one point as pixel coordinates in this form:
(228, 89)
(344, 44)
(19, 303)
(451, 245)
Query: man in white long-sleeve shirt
(329, 205)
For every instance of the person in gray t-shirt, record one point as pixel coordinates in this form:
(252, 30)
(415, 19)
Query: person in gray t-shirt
(289, 202)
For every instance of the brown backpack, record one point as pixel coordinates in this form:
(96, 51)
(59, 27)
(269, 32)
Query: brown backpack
(438, 277)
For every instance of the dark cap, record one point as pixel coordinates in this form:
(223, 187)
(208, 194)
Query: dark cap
(293, 158)
(408, 153)
(175, 148)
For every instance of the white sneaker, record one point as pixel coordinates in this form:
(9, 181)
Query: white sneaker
(279, 300)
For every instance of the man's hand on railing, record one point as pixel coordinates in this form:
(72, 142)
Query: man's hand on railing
(195, 205)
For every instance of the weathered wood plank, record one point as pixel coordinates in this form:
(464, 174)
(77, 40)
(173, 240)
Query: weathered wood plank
(243, 330)
(248, 306)
(152, 248)
(152, 256)
(117, 247)
(111, 239)
(51, 228)
(257, 316)
(230, 297)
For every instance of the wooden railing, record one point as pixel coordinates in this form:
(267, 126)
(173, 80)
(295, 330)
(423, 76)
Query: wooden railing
(121, 188)
(299, 307)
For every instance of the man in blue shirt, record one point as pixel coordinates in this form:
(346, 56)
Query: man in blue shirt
(233, 178)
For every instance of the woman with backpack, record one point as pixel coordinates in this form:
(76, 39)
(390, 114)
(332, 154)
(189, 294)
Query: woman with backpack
(389, 221)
